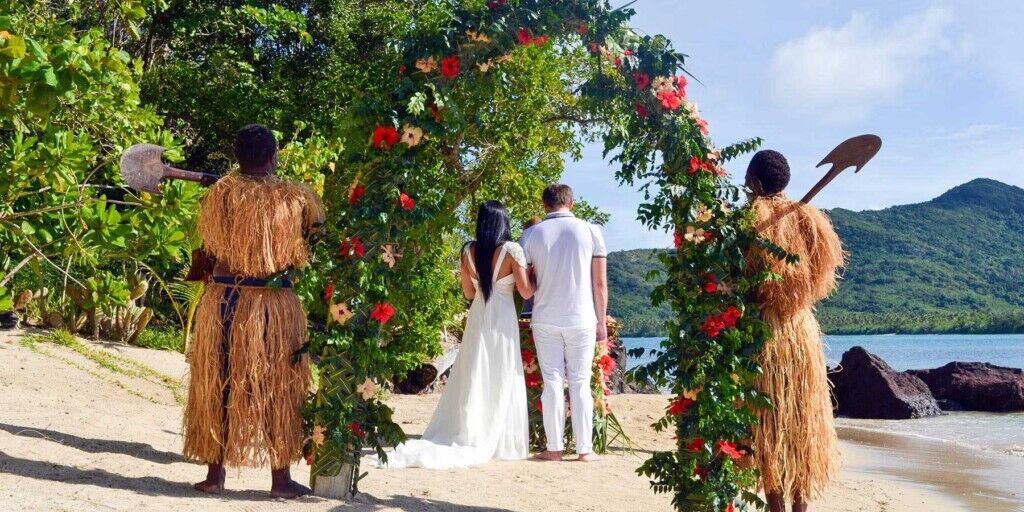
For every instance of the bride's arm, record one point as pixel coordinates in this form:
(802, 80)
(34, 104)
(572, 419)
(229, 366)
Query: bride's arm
(523, 284)
(466, 276)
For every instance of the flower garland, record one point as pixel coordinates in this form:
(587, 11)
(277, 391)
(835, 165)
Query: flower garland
(385, 225)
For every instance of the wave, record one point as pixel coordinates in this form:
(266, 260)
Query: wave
(1012, 450)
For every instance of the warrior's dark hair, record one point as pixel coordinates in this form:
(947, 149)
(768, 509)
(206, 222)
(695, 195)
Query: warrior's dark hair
(255, 145)
(492, 231)
(769, 172)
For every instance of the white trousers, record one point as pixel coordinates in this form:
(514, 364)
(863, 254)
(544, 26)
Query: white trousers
(567, 354)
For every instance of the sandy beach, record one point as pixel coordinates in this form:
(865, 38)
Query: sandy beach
(75, 435)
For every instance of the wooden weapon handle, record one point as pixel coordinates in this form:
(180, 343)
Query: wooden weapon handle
(204, 179)
(822, 183)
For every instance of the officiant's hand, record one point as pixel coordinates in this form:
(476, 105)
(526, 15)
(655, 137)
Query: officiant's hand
(602, 331)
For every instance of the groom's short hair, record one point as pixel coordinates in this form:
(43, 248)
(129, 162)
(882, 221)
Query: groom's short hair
(558, 195)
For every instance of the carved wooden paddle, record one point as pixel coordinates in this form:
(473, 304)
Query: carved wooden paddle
(143, 170)
(852, 152)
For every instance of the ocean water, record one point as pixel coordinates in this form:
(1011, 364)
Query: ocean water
(1002, 433)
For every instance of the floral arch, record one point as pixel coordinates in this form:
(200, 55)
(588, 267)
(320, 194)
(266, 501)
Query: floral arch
(403, 191)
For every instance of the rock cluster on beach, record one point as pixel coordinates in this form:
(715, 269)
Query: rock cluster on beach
(865, 386)
(976, 386)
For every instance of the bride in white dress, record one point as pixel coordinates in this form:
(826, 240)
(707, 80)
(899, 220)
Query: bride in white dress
(482, 413)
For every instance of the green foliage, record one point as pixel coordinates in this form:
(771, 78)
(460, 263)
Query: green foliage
(162, 338)
(69, 104)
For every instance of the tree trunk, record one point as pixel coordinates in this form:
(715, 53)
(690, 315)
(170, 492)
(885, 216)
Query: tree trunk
(421, 378)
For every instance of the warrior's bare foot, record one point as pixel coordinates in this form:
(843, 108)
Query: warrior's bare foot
(554, 455)
(284, 487)
(589, 457)
(214, 483)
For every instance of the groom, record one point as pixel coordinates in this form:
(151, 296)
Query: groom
(568, 256)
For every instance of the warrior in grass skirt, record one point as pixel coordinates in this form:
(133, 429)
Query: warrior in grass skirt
(795, 441)
(247, 385)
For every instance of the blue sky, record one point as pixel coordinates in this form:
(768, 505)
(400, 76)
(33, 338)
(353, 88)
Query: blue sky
(941, 82)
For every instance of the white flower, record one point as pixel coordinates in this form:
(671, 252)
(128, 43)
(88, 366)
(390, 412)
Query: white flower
(661, 83)
(694, 235)
(367, 389)
(478, 37)
(485, 66)
(412, 135)
(318, 435)
(340, 312)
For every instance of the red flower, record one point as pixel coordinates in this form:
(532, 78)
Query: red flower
(582, 29)
(695, 164)
(696, 445)
(729, 508)
(329, 291)
(406, 202)
(594, 48)
(355, 194)
(641, 110)
(384, 137)
(607, 392)
(678, 239)
(401, 71)
(382, 312)
(642, 80)
(713, 326)
(700, 472)
(679, 406)
(709, 236)
(669, 100)
(534, 380)
(353, 247)
(606, 363)
(728, 448)
(731, 315)
(537, 405)
(450, 66)
(617, 62)
(309, 459)
(710, 287)
(528, 357)
(524, 37)
(435, 112)
(356, 430)
(681, 86)
(628, 53)
(540, 40)
(494, 4)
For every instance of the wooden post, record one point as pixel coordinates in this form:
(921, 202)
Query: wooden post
(336, 487)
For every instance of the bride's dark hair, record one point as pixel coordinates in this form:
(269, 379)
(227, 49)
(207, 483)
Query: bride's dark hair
(492, 231)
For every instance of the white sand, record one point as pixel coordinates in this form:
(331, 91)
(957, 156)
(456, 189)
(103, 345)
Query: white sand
(73, 438)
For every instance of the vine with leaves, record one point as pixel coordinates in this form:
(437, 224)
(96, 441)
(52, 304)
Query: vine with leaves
(404, 186)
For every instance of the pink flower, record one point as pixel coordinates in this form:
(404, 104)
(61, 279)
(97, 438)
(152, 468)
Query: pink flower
(728, 448)
(606, 363)
(702, 125)
(669, 100)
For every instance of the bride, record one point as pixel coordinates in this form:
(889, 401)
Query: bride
(482, 413)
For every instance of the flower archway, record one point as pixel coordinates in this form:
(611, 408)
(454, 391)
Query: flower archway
(403, 193)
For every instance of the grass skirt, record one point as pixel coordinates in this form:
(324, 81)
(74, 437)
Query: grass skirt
(250, 376)
(795, 441)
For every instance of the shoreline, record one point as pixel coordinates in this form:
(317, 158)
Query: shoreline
(976, 478)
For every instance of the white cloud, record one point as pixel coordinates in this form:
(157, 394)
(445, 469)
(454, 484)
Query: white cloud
(843, 73)
(975, 132)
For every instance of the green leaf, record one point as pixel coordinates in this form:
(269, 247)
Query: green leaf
(13, 47)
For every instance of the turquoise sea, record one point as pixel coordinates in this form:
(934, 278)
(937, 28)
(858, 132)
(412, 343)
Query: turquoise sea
(1003, 433)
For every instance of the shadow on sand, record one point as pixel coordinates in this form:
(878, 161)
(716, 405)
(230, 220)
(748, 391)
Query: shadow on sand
(368, 503)
(90, 445)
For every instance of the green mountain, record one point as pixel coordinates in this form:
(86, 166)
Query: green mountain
(952, 264)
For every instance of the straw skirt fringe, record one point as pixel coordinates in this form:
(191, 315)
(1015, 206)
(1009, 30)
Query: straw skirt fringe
(795, 441)
(265, 389)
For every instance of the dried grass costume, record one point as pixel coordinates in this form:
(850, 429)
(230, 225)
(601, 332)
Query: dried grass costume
(246, 392)
(795, 441)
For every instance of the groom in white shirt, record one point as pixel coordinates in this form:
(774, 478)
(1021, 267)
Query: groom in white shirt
(568, 257)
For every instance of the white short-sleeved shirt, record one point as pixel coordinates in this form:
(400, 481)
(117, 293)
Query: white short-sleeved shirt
(561, 249)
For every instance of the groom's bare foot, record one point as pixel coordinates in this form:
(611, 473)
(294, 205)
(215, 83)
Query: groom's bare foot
(589, 457)
(214, 483)
(554, 455)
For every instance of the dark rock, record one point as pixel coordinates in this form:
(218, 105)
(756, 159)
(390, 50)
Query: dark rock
(8, 320)
(617, 381)
(867, 387)
(977, 386)
(950, 405)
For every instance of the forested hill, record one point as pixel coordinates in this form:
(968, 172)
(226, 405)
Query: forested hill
(952, 264)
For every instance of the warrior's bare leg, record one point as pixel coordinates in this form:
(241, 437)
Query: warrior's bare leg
(776, 503)
(283, 486)
(798, 503)
(214, 483)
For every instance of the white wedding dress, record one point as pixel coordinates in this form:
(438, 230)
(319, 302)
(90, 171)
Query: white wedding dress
(482, 413)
